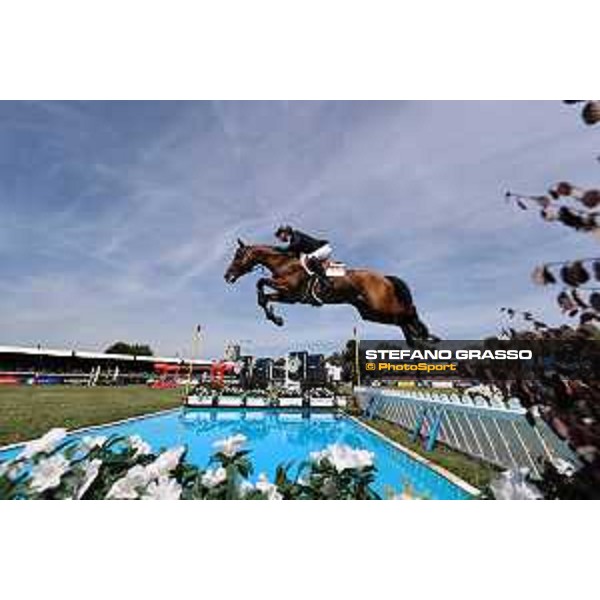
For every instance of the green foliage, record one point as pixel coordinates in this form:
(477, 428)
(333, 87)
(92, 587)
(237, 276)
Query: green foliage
(121, 468)
(131, 349)
(567, 395)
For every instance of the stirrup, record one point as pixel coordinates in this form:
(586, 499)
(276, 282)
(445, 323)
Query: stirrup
(325, 286)
(311, 294)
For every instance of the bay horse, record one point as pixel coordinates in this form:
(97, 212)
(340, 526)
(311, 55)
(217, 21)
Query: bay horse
(379, 298)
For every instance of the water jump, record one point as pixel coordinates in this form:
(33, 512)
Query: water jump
(302, 272)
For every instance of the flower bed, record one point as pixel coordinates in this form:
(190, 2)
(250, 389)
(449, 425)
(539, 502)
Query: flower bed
(125, 468)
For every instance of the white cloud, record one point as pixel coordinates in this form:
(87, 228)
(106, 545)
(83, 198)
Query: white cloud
(119, 220)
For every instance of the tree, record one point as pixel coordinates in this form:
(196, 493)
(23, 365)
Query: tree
(347, 360)
(132, 349)
(567, 396)
(335, 359)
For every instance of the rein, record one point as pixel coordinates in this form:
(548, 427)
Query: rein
(263, 268)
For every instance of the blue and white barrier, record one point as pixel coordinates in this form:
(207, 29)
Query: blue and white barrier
(489, 429)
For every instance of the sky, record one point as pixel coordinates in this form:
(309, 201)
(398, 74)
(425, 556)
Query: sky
(118, 219)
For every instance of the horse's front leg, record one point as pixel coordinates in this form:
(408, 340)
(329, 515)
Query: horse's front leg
(274, 297)
(264, 299)
(260, 290)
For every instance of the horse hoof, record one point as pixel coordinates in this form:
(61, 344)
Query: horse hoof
(278, 321)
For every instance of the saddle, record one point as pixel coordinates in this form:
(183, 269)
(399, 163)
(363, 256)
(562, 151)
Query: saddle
(333, 268)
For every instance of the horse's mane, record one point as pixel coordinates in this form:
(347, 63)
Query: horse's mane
(276, 249)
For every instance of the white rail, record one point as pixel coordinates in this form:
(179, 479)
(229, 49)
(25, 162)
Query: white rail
(492, 430)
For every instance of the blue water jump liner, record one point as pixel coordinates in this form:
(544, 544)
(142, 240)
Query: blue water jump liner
(467, 487)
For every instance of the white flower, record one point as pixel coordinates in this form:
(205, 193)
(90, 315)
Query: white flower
(127, 487)
(91, 472)
(10, 469)
(138, 477)
(564, 467)
(139, 445)
(266, 487)
(46, 443)
(263, 484)
(318, 455)
(344, 457)
(512, 485)
(213, 477)
(274, 494)
(166, 462)
(90, 442)
(231, 445)
(46, 474)
(246, 488)
(163, 489)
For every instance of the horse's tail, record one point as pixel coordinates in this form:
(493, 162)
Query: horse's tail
(402, 290)
(413, 327)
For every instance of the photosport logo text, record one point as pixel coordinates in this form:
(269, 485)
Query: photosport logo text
(470, 359)
(422, 366)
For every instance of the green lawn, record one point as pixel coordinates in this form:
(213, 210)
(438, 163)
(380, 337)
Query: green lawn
(473, 471)
(28, 411)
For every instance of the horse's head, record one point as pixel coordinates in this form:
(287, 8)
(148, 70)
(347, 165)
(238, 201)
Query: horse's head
(243, 262)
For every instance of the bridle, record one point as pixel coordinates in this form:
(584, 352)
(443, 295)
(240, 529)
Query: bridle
(255, 267)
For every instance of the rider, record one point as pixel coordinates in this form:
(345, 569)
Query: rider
(316, 251)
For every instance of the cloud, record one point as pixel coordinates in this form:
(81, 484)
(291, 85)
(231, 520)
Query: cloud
(119, 218)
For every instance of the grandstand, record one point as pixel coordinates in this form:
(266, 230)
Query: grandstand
(29, 365)
(21, 364)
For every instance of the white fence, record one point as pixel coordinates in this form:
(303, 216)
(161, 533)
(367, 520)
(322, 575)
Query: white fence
(492, 430)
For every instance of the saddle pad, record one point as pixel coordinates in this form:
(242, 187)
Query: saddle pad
(335, 269)
(332, 268)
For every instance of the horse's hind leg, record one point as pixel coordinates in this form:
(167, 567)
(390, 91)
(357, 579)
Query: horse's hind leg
(409, 329)
(422, 331)
(415, 330)
(370, 315)
(409, 333)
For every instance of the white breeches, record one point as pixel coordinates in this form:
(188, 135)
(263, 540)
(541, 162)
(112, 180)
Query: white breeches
(322, 253)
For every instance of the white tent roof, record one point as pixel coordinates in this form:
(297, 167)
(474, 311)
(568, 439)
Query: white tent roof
(39, 351)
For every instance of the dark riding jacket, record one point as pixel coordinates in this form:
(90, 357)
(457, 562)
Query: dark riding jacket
(302, 243)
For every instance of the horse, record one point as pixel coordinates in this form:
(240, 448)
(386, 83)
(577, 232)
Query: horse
(378, 298)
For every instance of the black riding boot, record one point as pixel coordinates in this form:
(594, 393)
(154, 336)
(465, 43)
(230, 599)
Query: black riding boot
(317, 267)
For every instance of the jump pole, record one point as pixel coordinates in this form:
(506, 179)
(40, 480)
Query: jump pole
(356, 362)
(195, 347)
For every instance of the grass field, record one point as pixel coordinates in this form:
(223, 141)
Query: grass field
(28, 411)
